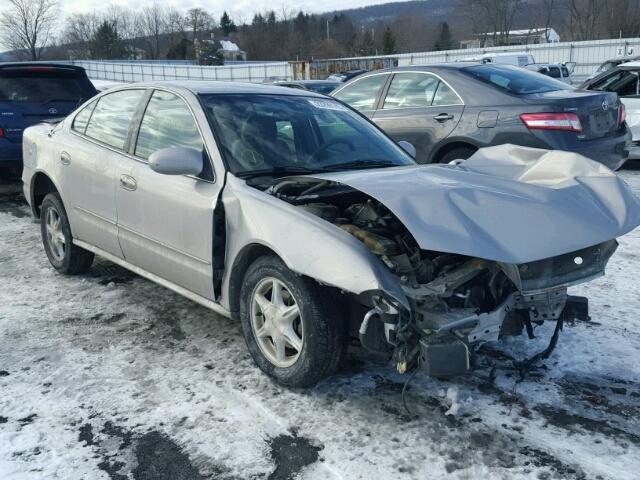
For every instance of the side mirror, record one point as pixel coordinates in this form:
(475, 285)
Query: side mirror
(177, 161)
(407, 147)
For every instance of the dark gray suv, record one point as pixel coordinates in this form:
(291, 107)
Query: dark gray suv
(448, 111)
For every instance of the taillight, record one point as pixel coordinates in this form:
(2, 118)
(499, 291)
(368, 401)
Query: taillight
(622, 114)
(552, 121)
(1, 133)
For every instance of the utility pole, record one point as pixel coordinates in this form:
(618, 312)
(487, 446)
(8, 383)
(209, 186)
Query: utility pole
(328, 29)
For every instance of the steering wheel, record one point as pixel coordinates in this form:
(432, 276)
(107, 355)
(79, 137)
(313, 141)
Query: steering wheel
(331, 143)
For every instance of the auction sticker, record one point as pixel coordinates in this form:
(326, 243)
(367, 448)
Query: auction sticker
(327, 104)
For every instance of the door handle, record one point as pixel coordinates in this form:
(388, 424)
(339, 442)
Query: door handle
(443, 117)
(65, 158)
(128, 182)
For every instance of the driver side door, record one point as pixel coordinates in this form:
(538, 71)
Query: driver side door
(165, 222)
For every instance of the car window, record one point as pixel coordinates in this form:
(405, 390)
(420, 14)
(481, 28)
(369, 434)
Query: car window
(514, 80)
(167, 122)
(411, 90)
(112, 116)
(623, 82)
(446, 96)
(265, 132)
(554, 72)
(363, 93)
(44, 87)
(565, 72)
(82, 118)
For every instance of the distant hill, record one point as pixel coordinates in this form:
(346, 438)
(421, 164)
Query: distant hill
(434, 10)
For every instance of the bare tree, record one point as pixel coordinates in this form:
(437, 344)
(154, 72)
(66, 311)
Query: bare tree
(493, 18)
(27, 25)
(622, 18)
(584, 18)
(153, 24)
(79, 33)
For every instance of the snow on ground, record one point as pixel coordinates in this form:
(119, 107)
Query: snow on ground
(109, 376)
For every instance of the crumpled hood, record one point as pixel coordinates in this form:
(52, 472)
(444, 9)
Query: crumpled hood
(506, 203)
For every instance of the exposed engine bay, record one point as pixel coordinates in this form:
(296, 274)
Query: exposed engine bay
(457, 302)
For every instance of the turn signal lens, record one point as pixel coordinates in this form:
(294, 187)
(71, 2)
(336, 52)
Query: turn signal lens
(552, 121)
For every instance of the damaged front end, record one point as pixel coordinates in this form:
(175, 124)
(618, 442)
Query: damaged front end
(455, 302)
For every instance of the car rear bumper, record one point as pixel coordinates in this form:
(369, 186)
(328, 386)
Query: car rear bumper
(611, 151)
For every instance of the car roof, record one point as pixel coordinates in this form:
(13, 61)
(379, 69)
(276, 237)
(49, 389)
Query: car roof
(307, 82)
(629, 65)
(203, 87)
(433, 66)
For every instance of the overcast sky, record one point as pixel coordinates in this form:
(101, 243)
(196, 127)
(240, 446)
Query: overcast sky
(238, 9)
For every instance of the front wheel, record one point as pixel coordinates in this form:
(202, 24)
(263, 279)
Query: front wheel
(458, 153)
(291, 325)
(57, 240)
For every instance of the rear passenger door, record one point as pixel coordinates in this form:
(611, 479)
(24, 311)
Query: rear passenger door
(88, 159)
(165, 222)
(421, 109)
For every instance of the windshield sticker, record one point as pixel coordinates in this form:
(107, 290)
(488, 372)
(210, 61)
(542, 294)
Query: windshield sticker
(327, 104)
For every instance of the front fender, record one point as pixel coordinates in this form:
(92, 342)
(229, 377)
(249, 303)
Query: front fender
(307, 244)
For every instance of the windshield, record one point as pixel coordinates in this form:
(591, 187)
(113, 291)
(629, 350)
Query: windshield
(262, 133)
(515, 80)
(44, 88)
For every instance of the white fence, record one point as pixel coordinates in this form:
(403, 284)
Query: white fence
(587, 55)
(140, 72)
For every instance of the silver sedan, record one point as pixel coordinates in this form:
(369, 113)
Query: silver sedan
(293, 213)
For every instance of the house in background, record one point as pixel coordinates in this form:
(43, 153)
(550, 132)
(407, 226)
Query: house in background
(513, 37)
(211, 51)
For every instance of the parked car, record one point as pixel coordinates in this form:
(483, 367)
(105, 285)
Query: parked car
(611, 63)
(518, 59)
(559, 71)
(319, 86)
(31, 93)
(623, 80)
(345, 76)
(291, 212)
(448, 111)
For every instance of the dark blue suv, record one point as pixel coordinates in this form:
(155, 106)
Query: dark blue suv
(34, 92)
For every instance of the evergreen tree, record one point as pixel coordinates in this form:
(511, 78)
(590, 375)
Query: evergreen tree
(227, 25)
(388, 42)
(107, 44)
(445, 40)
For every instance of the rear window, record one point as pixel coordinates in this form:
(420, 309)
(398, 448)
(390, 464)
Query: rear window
(514, 80)
(44, 87)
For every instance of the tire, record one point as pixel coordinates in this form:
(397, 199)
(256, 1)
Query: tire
(63, 255)
(320, 325)
(459, 153)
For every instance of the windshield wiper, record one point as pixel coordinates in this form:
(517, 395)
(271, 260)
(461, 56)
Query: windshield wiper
(282, 170)
(360, 163)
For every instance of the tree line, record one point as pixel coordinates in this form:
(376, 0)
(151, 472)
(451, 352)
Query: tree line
(33, 30)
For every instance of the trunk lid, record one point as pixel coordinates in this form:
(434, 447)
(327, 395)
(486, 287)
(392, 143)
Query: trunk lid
(597, 111)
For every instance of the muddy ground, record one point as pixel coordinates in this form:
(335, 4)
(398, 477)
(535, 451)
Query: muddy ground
(109, 376)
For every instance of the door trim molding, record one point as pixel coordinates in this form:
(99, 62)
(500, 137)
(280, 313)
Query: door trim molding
(164, 245)
(210, 304)
(99, 217)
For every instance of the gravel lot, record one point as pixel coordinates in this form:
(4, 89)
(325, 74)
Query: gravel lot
(109, 376)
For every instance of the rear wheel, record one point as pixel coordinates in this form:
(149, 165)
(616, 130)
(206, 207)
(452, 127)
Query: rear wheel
(65, 257)
(292, 327)
(458, 153)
